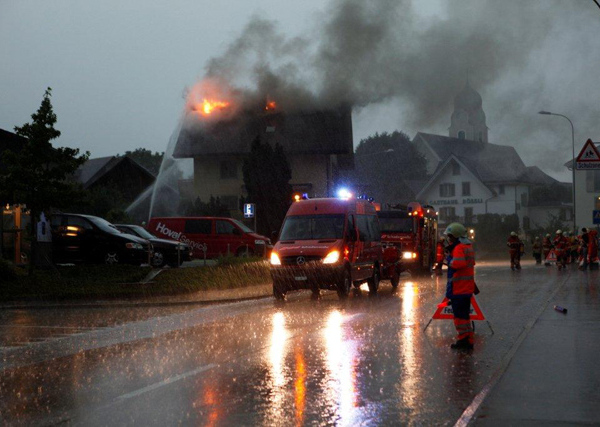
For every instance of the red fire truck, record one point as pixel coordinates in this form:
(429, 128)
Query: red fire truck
(409, 239)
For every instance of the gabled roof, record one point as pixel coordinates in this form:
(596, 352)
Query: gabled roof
(442, 167)
(94, 169)
(535, 175)
(490, 162)
(317, 132)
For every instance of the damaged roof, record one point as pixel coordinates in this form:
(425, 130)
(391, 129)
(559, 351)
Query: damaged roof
(317, 132)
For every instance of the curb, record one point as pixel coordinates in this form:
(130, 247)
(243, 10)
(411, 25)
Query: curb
(130, 304)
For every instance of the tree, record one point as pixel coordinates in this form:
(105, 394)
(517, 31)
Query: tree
(267, 176)
(146, 158)
(200, 208)
(382, 163)
(38, 174)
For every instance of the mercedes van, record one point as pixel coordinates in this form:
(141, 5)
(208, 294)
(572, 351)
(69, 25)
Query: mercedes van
(327, 244)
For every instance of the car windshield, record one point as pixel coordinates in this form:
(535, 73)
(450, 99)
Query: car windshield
(104, 225)
(395, 224)
(242, 226)
(136, 230)
(313, 227)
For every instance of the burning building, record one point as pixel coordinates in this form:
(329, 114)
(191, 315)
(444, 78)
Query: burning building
(318, 145)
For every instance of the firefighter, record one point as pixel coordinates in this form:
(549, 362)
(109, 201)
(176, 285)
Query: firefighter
(439, 256)
(537, 250)
(461, 282)
(560, 248)
(514, 249)
(584, 241)
(547, 247)
(593, 249)
(574, 248)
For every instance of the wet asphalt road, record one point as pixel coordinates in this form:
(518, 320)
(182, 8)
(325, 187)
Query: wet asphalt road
(364, 361)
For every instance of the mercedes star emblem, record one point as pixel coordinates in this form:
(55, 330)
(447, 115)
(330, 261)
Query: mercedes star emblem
(300, 260)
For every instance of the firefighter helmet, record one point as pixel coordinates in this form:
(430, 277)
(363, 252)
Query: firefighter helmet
(558, 232)
(512, 233)
(455, 229)
(548, 235)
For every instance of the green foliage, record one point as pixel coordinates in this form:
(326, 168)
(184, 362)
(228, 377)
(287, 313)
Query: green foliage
(38, 174)
(99, 201)
(382, 162)
(267, 176)
(200, 208)
(118, 216)
(492, 230)
(555, 192)
(552, 224)
(147, 158)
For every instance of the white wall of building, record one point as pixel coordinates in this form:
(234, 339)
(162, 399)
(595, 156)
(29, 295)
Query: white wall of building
(587, 193)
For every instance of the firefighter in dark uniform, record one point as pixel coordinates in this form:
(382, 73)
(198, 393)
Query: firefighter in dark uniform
(461, 282)
(537, 250)
(514, 249)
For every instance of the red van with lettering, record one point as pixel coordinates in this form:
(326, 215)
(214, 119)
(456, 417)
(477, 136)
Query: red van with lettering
(327, 244)
(211, 236)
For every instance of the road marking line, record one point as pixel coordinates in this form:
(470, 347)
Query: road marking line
(166, 382)
(469, 413)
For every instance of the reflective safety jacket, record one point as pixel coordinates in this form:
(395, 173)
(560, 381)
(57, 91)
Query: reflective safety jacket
(461, 270)
(514, 244)
(547, 245)
(561, 244)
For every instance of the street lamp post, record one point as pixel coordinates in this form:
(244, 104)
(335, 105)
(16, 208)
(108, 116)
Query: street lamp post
(548, 113)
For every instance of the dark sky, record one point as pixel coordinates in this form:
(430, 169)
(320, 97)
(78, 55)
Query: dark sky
(119, 69)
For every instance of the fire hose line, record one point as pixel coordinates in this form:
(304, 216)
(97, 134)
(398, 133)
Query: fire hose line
(469, 413)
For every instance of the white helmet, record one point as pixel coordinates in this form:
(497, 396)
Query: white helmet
(512, 233)
(558, 232)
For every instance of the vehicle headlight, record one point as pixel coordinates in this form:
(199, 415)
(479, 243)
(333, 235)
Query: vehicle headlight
(133, 246)
(332, 257)
(409, 255)
(259, 242)
(275, 259)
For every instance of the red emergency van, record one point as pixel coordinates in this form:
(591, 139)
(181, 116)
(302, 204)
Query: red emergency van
(327, 244)
(412, 230)
(216, 236)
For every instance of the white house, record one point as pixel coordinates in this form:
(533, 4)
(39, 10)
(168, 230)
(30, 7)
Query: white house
(470, 176)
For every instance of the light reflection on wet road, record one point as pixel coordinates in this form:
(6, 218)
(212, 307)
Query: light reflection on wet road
(362, 361)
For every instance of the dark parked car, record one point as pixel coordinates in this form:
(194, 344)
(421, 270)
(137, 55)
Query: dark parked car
(165, 251)
(84, 238)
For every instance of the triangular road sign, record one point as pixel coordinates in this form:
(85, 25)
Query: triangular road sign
(551, 256)
(444, 310)
(589, 157)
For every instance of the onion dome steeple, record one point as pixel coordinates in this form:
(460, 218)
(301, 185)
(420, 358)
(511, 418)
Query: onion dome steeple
(468, 118)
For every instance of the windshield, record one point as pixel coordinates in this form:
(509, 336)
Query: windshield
(138, 231)
(313, 227)
(396, 225)
(104, 225)
(242, 226)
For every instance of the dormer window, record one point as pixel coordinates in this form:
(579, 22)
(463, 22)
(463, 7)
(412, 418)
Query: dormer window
(461, 134)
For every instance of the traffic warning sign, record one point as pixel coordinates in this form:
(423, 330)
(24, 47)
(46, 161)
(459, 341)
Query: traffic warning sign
(551, 256)
(589, 157)
(444, 310)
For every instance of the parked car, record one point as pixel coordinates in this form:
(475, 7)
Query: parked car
(165, 251)
(84, 238)
(327, 244)
(215, 236)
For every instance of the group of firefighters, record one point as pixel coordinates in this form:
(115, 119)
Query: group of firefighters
(456, 251)
(563, 249)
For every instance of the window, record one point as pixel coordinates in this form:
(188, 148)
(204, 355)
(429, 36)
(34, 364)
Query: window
(312, 227)
(461, 134)
(446, 190)
(228, 169)
(80, 222)
(501, 189)
(225, 227)
(198, 226)
(447, 214)
(363, 228)
(466, 188)
(351, 230)
(374, 228)
(455, 169)
(469, 215)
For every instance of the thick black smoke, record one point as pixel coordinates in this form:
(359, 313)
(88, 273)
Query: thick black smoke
(522, 56)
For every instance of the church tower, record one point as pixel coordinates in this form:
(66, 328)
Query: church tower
(468, 118)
